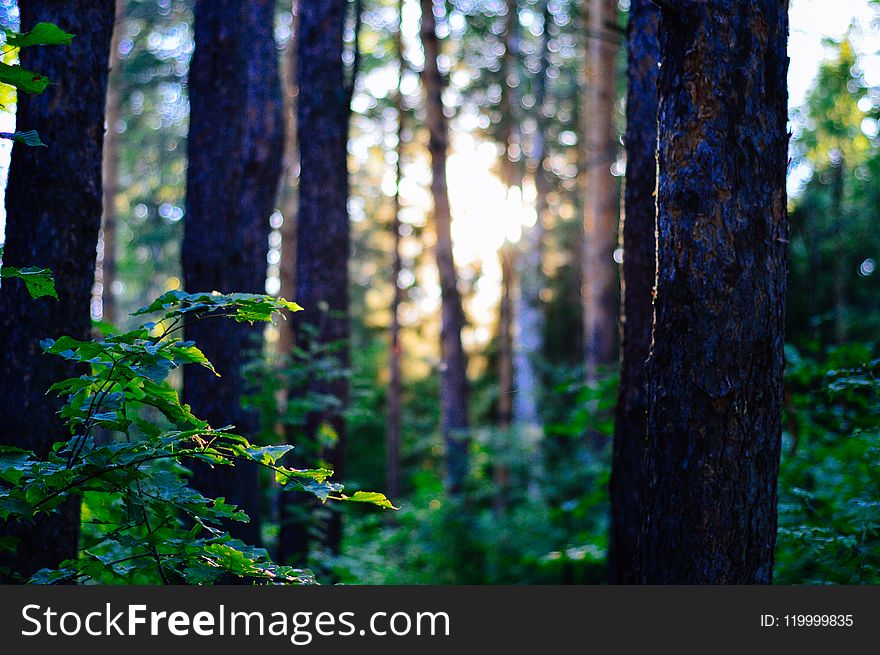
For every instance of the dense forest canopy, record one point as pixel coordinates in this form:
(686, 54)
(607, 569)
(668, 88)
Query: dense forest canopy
(457, 292)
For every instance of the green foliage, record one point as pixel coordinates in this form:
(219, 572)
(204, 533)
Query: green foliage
(143, 523)
(38, 281)
(546, 523)
(832, 294)
(25, 80)
(829, 506)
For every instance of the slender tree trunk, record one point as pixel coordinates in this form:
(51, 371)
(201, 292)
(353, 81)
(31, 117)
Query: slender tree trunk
(323, 241)
(840, 256)
(528, 311)
(287, 195)
(53, 204)
(505, 338)
(505, 375)
(637, 283)
(453, 376)
(716, 367)
(395, 390)
(601, 204)
(110, 173)
(512, 175)
(234, 149)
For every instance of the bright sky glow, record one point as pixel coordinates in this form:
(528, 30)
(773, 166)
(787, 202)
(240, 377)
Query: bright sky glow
(482, 211)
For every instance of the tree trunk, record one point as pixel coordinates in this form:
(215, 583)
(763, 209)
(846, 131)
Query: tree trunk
(505, 375)
(528, 311)
(288, 192)
(323, 240)
(512, 176)
(395, 390)
(601, 204)
(53, 203)
(840, 256)
(453, 374)
(234, 151)
(716, 366)
(110, 174)
(637, 283)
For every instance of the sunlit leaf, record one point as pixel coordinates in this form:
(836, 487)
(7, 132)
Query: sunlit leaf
(22, 79)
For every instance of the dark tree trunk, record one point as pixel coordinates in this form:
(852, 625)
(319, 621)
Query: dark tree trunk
(323, 241)
(637, 283)
(716, 366)
(453, 375)
(601, 204)
(53, 204)
(234, 149)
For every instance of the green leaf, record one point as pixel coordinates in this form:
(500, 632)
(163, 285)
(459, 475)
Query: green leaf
(29, 138)
(268, 454)
(41, 34)
(186, 353)
(23, 79)
(39, 281)
(372, 497)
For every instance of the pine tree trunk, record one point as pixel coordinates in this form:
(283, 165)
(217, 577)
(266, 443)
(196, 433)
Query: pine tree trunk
(601, 204)
(288, 191)
(323, 241)
(839, 269)
(503, 436)
(528, 311)
(395, 384)
(53, 204)
(453, 375)
(715, 372)
(110, 172)
(637, 283)
(234, 151)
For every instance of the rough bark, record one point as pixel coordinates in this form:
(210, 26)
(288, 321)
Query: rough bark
(716, 366)
(234, 151)
(53, 204)
(601, 204)
(637, 283)
(323, 240)
(453, 374)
